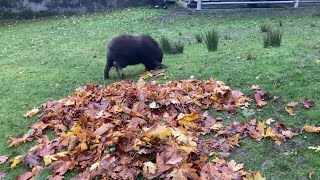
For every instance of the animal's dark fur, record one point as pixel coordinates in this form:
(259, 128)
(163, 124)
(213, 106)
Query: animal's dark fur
(127, 50)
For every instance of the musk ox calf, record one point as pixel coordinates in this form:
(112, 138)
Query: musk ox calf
(127, 50)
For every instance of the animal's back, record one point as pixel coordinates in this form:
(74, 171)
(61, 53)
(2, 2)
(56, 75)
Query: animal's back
(132, 49)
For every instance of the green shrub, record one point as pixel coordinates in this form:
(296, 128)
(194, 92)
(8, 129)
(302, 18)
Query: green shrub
(177, 48)
(265, 28)
(273, 38)
(198, 38)
(211, 39)
(165, 45)
(171, 48)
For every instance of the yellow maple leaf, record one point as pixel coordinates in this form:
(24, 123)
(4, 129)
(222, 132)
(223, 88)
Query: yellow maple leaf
(31, 113)
(187, 120)
(63, 153)
(146, 75)
(48, 159)
(16, 161)
(261, 128)
(234, 140)
(269, 132)
(83, 146)
(161, 132)
(289, 110)
(254, 176)
(149, 168)
(309, 128)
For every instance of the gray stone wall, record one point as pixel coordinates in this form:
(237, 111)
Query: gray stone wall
(71, 5)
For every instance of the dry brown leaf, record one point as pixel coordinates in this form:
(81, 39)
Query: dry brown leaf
(32, 112)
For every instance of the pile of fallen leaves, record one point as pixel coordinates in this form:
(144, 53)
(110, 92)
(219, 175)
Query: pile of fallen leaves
(155, 130)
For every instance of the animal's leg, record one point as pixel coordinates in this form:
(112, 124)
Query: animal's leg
(119, 70)
(106, 71)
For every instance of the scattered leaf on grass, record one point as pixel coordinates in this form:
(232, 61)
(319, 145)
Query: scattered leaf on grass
(3, 159)
(307, 103)
(289, 110)
(292, 104)
(32, 112)
(16, 161)
(254, 176)
(310, 175)
(270, 121)
(248, 112)
(316, 149)
(311, 128)
(2, 175)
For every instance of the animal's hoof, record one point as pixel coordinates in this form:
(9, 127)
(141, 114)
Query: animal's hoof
(106, 77)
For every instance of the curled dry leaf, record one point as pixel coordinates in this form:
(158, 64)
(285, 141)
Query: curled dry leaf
(311, 128)
(32, 112)
(307, 103)
(316, 149)
(3, 159)
(292, 104)
(289, 110)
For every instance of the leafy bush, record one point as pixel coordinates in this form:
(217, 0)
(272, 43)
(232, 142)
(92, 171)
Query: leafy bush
(211, 39)
(273, 38)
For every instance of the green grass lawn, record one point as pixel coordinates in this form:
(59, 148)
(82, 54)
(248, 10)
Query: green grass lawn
(47, 59)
